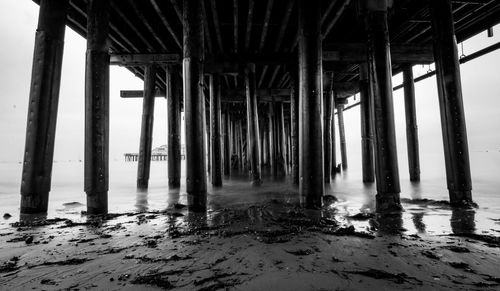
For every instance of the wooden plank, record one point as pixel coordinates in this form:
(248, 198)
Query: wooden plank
(143, 59)
(138, 93)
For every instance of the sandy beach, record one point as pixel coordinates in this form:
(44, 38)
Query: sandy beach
(269, 245)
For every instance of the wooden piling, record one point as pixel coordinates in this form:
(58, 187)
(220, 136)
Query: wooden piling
(146, 141)
(451, 104)
(411, 124)
(227, 144)
(380, 75)
(343, 146)
(174, 95)
(97, 107)
(310, 102)
(366, 101)
(294, 131)
(215, 130)
(253, 148)
(334, 140)
(327, 136)
(279, 141)
(241, 158)
(194, 105)
(272, 141)
(43, 103)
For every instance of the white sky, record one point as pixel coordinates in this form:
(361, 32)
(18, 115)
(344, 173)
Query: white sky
(18, 20)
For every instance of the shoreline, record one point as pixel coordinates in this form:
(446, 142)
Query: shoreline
(267, 245)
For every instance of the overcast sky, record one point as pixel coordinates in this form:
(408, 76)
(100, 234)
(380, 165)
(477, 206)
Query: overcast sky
(18, 19)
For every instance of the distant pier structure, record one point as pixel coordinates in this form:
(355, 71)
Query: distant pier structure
(259, 83)
(157, 154)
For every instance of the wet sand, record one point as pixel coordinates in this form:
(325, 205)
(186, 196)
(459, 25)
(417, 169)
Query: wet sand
(263, 242)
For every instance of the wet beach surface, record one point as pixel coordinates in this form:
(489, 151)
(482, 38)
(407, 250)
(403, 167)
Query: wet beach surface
(254, 239)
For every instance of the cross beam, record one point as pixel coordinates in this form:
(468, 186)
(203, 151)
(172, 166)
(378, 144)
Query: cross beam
(332, 53)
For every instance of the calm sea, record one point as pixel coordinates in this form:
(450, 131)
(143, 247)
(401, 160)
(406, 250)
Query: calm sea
(67, 186)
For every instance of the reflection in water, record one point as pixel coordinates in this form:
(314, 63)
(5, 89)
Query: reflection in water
(417, 218)
(463, 220)
(173, 197)
(388, 223)
(416, 190)
(368, 201)
(141, 200)
(31, 218)
(196, 220)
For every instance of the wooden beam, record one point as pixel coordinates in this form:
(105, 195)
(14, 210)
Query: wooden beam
(269, 8)
(177, 8)
(206, 30)
(124, 18)
(339, 13)
(218, 33)
(328, 10)
(284, 25)
(145, 21)
(356, 53)
(165, 23)
(249, 23)
(143, 59)
(235, 28)
(138, 93)
(335, 52)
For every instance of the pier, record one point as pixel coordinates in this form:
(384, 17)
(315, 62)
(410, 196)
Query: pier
(262, 89)
(258, 95)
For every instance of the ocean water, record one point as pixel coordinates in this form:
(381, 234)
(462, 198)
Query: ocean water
(354, 196)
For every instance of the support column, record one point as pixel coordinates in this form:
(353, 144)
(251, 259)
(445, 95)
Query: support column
(334, 140)
(43, 103)
(227, 145)
(234, 143)
(241, 158)
(411, 124)
(327, 136)
(215, 130)
(174, 95)
(97, 107)
(253, 147)
(146, 141)
(343, 148)
(279, 142)
(272, 142)
(366, 126)
(264, 139)
(451, 104)
(294, 119)
(310, 102)
(380, 74)
(194, 105)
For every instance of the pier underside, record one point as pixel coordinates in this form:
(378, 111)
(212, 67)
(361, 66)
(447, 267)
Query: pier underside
(261, 87)
(261, 82)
